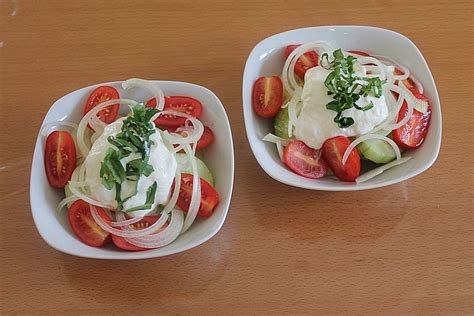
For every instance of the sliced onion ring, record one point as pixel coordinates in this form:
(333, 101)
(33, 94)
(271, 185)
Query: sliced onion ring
(154, 89)
(375, 172)
(83, 148)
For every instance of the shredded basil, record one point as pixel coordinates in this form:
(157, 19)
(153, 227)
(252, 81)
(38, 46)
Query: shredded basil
(133, 138)
(342, 86)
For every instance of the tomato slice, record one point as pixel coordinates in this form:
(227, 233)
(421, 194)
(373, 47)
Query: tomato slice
(410, 84)
(84, 225)
(99, 95)
(308, 60)
(59, 158)
(183, 104)
(147, 221)
(304, 160)
(206, 139)
(267, 96)
(413, 133)
(209, 196)
(333, 151)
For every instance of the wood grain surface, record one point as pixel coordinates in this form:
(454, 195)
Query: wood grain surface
(404, 249)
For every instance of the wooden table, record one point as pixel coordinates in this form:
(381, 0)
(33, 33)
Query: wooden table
(407, 248)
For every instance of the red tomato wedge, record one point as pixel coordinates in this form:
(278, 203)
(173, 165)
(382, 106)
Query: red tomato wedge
(147, 221)
(333, 151)
(99, 95)
(413, 133)
(59, 158)
(267, 96)
(84, 225)
(209, 196)
(308, 60)
(206, 139)
(304, 160)
(358, 52)
(182, 104)
(408, 83)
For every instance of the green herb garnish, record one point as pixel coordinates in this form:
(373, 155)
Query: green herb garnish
(134, 138)
(342, 85)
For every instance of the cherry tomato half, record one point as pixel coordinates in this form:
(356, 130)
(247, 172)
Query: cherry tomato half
(308, 60)
(333, 151)
(209, 196)
(413, 133)
(59, 158)
(99, 95)
(182, 104)
(304, 160)
(267, 96)
(145, 222)
(84, 225)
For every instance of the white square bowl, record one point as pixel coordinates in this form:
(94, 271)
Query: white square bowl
(54, 228)
(267, 59)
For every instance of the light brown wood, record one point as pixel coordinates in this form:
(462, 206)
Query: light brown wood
(407, 248)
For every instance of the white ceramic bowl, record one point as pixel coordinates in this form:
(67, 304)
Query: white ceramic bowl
(55, 229)
(267, 59)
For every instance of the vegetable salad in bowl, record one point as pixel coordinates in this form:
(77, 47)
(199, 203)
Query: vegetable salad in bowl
(339, 112)
(134, 179)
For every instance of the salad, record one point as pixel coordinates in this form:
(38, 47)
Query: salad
(341, 112)
(134, 179)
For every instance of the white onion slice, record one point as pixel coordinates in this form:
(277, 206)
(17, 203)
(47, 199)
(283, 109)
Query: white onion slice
(197, 129)
(77, 184)
(363, 138)
(88, 199)
(97, 125)
(127, 230)
(363, 60)
(393, 110)
(375, 172)
(288, 75)
(280, 150)
(196, 193)
(292, 115)
(275, 139)
(405, 71)
(65, 202)
(124, 222)
(83, 147)
(419, 86)
(164, 237)
(154, 89)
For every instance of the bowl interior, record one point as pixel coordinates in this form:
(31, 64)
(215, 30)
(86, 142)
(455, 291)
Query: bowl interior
(54, 227)
(267, 59)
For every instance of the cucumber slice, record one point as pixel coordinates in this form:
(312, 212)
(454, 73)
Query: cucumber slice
(377, 150)
(203, 170)
(281, 121)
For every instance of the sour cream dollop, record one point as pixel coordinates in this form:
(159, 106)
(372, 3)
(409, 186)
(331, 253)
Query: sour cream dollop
(162, 160)
(315, 123)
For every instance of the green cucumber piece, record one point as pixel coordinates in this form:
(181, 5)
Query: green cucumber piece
(281, 121)
(377, 151)
(203, 170)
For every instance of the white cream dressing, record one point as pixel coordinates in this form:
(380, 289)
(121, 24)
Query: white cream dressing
(315, 123)
(162, 160)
